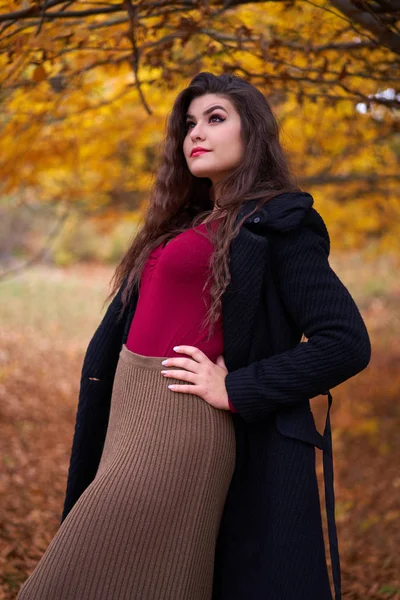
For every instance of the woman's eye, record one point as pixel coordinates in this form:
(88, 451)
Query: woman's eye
(188, 123)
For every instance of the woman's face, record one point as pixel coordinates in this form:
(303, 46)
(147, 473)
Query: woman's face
(218, 131)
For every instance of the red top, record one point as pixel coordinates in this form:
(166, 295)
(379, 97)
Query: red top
(171, 305)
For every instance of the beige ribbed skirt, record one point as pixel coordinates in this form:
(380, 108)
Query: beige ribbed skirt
(147, 525)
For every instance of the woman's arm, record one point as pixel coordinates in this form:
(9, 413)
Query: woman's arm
(338, 345)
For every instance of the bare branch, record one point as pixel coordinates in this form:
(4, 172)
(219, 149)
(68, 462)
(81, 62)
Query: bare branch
(370, 178)
(134, 20)
(36, 258)
(385, 37)
(36, 11)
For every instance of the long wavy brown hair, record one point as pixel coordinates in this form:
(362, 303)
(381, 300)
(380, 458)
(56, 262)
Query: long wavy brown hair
(179, 200)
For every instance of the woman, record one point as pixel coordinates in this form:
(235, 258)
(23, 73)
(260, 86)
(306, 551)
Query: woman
(194, 478)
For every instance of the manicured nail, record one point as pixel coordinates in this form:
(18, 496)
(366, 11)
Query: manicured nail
(176, 348)
(171, 386)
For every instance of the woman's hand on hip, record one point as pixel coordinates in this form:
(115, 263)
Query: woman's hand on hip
(206, 379)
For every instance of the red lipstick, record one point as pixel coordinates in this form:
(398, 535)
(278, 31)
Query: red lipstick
(198, 150)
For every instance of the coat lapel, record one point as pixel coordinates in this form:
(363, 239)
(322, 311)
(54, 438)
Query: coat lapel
(247, 260)
(249, 256)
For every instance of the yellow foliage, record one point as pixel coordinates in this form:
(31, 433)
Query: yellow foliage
(73, 126)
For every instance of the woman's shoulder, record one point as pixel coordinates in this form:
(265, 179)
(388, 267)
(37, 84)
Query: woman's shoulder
(309, 232)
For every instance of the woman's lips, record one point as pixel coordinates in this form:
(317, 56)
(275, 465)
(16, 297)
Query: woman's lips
(200, 152)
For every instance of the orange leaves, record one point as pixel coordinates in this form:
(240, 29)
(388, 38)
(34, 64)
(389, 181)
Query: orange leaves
(39, 73)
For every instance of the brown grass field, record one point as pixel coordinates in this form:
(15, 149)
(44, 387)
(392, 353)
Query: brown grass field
(47, 317)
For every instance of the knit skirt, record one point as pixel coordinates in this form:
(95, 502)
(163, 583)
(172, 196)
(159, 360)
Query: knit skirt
(146, 527)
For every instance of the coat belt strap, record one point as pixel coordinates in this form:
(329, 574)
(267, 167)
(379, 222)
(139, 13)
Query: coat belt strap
(327, 459)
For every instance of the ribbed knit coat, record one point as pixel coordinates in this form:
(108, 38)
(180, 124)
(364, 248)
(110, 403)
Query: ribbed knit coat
(270, 544)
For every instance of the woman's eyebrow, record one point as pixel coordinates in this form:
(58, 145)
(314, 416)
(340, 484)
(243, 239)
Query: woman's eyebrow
(206, 112)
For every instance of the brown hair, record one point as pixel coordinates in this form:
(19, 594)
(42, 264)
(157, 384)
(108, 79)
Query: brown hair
(179, 200)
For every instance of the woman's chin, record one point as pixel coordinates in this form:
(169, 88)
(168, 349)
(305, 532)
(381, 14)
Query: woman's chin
(199, 172)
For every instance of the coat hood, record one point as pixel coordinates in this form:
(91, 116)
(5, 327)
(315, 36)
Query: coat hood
(283, 213)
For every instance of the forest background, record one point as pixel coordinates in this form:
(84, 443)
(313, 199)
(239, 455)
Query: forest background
(85, 91)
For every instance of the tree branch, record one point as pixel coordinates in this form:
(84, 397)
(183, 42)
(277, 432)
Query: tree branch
(41, 253)
(134, 20)
(385, 37)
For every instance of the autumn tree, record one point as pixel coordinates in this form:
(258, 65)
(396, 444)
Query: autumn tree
(86, 88)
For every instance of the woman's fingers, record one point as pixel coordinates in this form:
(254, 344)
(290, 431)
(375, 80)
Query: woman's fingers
(177, 374)
(194, 352)
(185, 389)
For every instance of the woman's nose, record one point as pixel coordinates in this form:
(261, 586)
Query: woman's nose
(197, 132)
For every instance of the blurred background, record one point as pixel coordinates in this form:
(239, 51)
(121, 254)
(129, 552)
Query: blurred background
(85, 90)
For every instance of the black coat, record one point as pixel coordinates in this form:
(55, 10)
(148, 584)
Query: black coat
(270, 544)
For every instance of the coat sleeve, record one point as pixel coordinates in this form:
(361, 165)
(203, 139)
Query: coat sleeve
(338, 345)
(94, 403)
